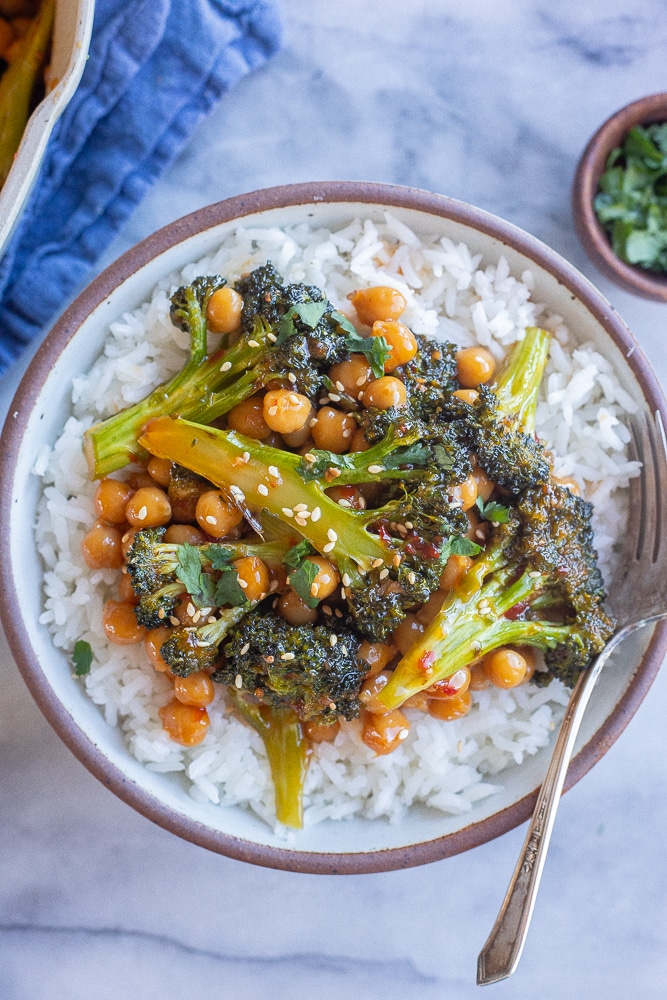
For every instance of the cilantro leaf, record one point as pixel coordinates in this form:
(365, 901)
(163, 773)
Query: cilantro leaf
(82, 657)
(376, 349)
(229, 590)
(310, 313)
(301, 580)
(458, 545)
(492, 511)
(298, 553)
(198, 584)
(219, 556)
(323, 460)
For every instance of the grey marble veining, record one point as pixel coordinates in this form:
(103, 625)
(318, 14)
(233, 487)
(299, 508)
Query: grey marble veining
(491, 103)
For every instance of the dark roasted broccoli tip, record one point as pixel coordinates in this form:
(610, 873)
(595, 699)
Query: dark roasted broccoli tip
(311, 669)
(188, 303)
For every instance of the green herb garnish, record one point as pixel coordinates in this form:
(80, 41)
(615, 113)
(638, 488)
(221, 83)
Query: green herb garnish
(492, 511)
(82, 658)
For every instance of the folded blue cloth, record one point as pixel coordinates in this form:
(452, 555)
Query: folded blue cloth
(155, 68)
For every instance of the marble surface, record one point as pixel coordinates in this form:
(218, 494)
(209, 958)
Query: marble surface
(491, 103)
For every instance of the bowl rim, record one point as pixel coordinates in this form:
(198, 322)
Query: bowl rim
(644, 111)
(93, 295)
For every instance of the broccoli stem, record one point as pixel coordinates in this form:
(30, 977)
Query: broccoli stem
(18, 82)
(517, 385)
(240, 466)
(287, 752)
(467, 627)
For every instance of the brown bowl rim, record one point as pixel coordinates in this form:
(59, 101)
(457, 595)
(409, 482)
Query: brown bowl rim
(644, 111)
(135, 795)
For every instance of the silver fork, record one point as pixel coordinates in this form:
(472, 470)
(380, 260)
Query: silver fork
(638, 598)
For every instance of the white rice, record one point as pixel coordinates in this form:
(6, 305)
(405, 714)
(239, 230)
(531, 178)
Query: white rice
(451, 294)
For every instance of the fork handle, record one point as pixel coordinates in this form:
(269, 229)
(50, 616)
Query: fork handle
(500, 955)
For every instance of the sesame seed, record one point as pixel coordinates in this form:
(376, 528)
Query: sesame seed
(269, 659)
(338, 613)
(243, 584)
(329, 547)
(300, 507)
(332, 472)
(375, 469)
(362, 503)
(143, 511)
(346, 580)
(174, 620)
(272, 411)
(411, 577)
(343, 592)
(344, 503)
(314, 589)
(409, 525)
(403, 735)
(312, 421)
(309, 457)
(361, 380)
(202, 644)
(483, 605)
(225, 366)
(347, 433)
(402, 530)
(294, 399)
(396, 561)
(288, 512)
(191, 609)
(316, 514)
(345, 650)
(209, 621)
(326, 609)
(161, 613)
(301, 520)
(253, 343)
(376, 563)
(273, 586)
(384, 573)
(480, 533)
(534, 574)
(205, 611)
(210, 519)
(264, 490)
(331, 535)
(334, 397)
(244, 649)
(292, 377)
(361, 571)
(333, 639)
(273, 471)
(196, 616)
(324, 400)
(287, 656)
(237, 492)
(238, 681)
(272, 337)
(246, 457)
(340, 386)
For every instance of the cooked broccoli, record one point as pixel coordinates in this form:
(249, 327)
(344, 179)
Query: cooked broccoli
(290, 336)
(537, 583)
(383, 560)
(197, 647)
(310, 669)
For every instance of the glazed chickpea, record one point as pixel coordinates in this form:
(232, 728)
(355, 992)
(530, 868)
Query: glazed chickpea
(215, 515)
(385, 392)
(149, 507)
(375, 656)
(478, 679)
(479, 530)
(195, 689)
(223, 312)
(318, 732)
(428, 611)
(159, 469)
(285, 411)
(180, 534)
(153, 643)
(333, 430)
(505, 667)
(295, 439)
(111, 497)
(378, 302)
(383, 733)
(184, 724)
(530, 656)
(465, 493)
(402, 341)
(370, 690)
(418, 701)
(101, 547)
(140, 478)
(120, 623)
(326, 579)
(352, 376)
(407, 633)
(253, 577)
(485, 486)
(469, 396)
(358, 441)
(451, 687)
(126, 590)
(295, 610)
(475, 366)
(247, 418)
(449, 709)
(455, 569)
(127, 541)
(347, 496)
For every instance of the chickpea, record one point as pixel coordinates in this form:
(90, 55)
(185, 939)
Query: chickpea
(295, 439)
(111, 497)
(159, 469)
(465, 493)
(375, 656)
(333, 430)
(505, 667)
(195, 689)
(184, 724)
(530, 656)
(317, 732)
(418, 701)
(478, 531)
(215, 515)
(358, 441)
(385, 392)
(455, 569)
(253, 577)
(377, 302)
(383, 733)
(223, 311)
(485, 486)
(370, 690)
(153, 643)
(285, 411)
(478, 679)
(407, 633)
(120, 623)
(475, 366)
(149, 507)
(127, 541)
(449, 709)
(101, 547)
(180, 534)
(126, 590)
(451, 687)
(140, 478)
(295, 610)
(247, 418)
(428, 611)
(400, 339)
(469, 396)
(326, 579)
(347, 496)
(353, 375)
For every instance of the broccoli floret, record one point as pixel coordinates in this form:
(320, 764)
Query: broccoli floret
(192, 648)
(312, 670)
(549, 596)
(385, 567)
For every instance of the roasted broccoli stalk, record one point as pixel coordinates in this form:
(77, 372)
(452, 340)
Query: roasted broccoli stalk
(382, 559)
(537, 583)
(311, 670)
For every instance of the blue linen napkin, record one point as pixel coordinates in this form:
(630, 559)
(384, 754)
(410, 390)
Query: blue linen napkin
(155, 69)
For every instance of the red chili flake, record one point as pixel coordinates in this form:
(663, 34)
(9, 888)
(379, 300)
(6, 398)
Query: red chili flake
(426, 661)
(444, 689)
(418, 547)
(384, 534)
(515, 612)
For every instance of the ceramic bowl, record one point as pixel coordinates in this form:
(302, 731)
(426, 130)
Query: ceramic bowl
(634, 279)
(39, 411)
(71, 36)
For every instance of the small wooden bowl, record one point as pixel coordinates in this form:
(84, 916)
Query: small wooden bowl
(638, 280)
